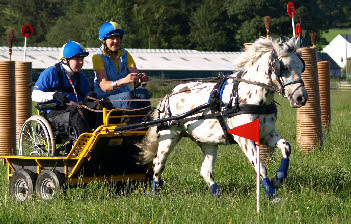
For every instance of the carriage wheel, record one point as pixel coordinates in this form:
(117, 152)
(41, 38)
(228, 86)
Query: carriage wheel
(22, 185)
(49, 184)
(36, 137)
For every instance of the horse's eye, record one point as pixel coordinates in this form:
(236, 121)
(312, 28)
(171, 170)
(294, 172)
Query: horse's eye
(283, 67)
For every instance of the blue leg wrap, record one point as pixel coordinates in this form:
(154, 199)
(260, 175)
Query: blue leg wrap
(282, 172)
(214, 190)
(270, 190)
(156, 186)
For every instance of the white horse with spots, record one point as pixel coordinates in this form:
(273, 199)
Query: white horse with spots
(268, 66)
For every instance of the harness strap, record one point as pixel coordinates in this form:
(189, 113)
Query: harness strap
(175, 120)
(61, 87)
(215, 103)
(215, 100)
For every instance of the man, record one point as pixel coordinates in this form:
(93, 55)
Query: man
(63, 83)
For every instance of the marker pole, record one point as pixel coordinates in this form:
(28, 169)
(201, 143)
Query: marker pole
(293, 23)
(258, 176)
(25, 48)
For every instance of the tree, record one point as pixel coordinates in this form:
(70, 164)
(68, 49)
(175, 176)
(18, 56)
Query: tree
(211, 28)
(163, 24)
(40, 14)
(250, 15)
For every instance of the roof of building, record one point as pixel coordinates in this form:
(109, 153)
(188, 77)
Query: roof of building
(346, 37)
(146, 59)
(322, 56)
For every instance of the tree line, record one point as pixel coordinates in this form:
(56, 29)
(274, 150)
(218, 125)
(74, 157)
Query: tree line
(209, 25)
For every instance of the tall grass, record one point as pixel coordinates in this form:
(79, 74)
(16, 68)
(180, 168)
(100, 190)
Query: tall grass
(317, 189)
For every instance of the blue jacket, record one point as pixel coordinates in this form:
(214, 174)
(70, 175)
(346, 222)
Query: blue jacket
(112, 73)
(49, 80)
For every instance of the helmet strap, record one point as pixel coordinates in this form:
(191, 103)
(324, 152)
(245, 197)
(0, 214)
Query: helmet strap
(67, 68)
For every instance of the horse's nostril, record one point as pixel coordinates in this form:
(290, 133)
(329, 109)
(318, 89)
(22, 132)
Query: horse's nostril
(299, 99)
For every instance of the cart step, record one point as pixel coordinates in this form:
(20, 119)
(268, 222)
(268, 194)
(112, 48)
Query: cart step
(80, 145)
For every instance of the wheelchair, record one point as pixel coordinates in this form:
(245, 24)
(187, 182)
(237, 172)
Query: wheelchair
(43, 136)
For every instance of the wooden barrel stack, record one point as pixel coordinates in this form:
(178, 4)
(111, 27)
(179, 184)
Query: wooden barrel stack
(23, 94)
(324, 88)
(309, 124)
(7, 108)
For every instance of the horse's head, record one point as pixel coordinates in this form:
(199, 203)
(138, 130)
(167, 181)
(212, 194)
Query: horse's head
(286, 68)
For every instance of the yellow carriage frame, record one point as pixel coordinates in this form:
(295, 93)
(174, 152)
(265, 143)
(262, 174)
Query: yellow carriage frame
(80, 153)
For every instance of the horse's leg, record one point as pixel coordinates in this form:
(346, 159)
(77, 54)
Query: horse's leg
(275, 140)
(249, 148)
(209, 154)
(166, 142)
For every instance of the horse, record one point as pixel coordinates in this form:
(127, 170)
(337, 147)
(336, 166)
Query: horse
(269, 66)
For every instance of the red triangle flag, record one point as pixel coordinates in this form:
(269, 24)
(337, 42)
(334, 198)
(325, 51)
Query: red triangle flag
(248, 130)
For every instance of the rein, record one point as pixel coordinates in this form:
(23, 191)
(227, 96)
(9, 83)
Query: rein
(263, 85)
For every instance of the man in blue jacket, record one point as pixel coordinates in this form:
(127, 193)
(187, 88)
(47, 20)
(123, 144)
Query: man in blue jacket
(62, 83)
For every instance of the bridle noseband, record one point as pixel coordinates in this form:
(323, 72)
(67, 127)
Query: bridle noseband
(271, 69)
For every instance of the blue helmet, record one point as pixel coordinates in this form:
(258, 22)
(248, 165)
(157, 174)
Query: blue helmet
(109, 29)
(72, 49)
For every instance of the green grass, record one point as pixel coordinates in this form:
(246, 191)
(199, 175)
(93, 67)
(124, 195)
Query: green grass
(317, 189)
(332, 33)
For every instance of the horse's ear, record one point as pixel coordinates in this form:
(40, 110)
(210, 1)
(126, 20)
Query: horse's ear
(275, 43)
(292, 41)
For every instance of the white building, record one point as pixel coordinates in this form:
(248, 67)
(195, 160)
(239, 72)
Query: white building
(339, 49)
(167, 63)
(160, 62)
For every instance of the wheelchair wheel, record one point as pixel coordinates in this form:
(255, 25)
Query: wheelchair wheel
(36, 138)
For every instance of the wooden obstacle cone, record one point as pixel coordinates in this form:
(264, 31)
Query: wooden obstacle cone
(324, 87)
(7, 108)
(309, 124)
(23, 94)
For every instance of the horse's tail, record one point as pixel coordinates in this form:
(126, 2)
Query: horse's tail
(149, 144)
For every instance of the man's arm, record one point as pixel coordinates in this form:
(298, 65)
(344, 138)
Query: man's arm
(107, 85)
(41, 96)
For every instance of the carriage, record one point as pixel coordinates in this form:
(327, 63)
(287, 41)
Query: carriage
(44, 167)
(202, 111)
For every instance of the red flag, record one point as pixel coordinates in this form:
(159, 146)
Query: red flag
(248, 130)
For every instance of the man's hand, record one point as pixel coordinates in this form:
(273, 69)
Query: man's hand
(61, 98)
(142, 79)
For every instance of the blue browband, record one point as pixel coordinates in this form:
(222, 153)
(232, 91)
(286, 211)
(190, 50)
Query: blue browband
(298, 80)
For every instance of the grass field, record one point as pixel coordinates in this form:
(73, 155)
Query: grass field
(332, 33)
(318, 189)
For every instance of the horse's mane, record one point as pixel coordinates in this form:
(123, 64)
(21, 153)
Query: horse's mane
(263, 45)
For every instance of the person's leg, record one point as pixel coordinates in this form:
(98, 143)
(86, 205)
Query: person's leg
(120, 100)
(59, 119)
(79, 120)
(140, 93)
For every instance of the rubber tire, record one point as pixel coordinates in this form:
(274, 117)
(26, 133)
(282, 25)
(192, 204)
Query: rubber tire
(53, 179)
(27, 179)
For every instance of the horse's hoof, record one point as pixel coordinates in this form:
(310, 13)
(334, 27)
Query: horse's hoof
(271, 192)
(215, 191)
(276, 183)
(154, 193)
(156, 187)
(276, 200)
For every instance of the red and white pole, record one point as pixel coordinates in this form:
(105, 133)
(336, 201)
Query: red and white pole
(258, 176)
